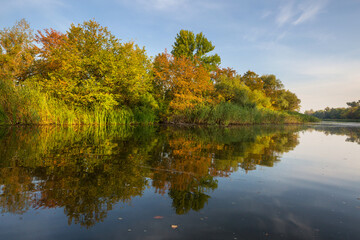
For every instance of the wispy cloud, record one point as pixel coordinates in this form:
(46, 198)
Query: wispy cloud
(309, 10)
(286, 13)
(173, 6)
(162, 5)
(266, 14)
(297, 12)
(180, 11)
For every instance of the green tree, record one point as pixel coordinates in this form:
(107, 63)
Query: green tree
(353, 104)
(190, 46)
(230, 88)
(287, 100)
(271, 86)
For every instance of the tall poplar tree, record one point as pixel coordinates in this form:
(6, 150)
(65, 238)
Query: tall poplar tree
(192, 46)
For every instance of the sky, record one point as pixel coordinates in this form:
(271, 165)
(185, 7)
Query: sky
(312, 46)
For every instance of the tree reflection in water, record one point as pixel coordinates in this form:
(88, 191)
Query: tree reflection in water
(86, 171)
(351, 132)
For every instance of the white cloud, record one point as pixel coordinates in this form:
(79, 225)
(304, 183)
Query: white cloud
(286, 13)
(297, 12)
(309, 11)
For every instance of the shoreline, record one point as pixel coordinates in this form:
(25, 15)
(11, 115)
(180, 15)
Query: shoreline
(158, 123)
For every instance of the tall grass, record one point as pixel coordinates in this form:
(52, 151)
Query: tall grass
(227, 113)
(28, 105)
(15, 105)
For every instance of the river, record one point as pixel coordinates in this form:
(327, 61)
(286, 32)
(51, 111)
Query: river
(180, 182)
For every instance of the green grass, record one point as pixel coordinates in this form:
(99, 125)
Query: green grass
(28, 105)
(233, 114)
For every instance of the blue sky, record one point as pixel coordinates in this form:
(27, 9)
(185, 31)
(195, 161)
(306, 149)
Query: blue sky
(312, 46)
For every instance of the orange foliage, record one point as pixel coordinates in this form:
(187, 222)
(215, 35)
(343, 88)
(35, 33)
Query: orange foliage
(182, 83)
(51, 41)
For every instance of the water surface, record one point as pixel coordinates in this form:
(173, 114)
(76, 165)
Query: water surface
(165, 182)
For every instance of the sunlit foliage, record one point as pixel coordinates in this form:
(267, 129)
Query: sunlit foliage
(88, 76)
(17, 52)
(89, 67)
(181, 83)
(195, 47)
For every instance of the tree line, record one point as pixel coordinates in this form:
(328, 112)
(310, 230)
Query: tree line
(351, 112)
(87, 75)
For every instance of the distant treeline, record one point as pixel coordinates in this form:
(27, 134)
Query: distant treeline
(351, 112)
(88, 76)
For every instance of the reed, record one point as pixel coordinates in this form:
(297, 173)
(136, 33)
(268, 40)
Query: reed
(28, 105)
(227, 113)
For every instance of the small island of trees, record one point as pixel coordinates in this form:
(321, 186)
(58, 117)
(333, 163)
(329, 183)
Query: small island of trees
(88, 76)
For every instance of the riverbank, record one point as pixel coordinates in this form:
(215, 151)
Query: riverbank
(67, 79)
(218, 115)
(29, 105)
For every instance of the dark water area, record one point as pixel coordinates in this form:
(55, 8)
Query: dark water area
(166, 182)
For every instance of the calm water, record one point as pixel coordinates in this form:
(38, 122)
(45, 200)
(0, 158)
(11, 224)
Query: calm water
(162, 182)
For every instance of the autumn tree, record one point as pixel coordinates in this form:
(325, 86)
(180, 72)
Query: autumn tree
(190, 46)
(51, 41)
(181, 84)
(221, 72)
(89, 67)
(253, 81)
(17, 52)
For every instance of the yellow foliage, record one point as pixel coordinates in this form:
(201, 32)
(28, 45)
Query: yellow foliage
(182, 83)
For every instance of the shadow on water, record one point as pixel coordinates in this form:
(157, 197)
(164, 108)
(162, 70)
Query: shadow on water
(86, 171)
